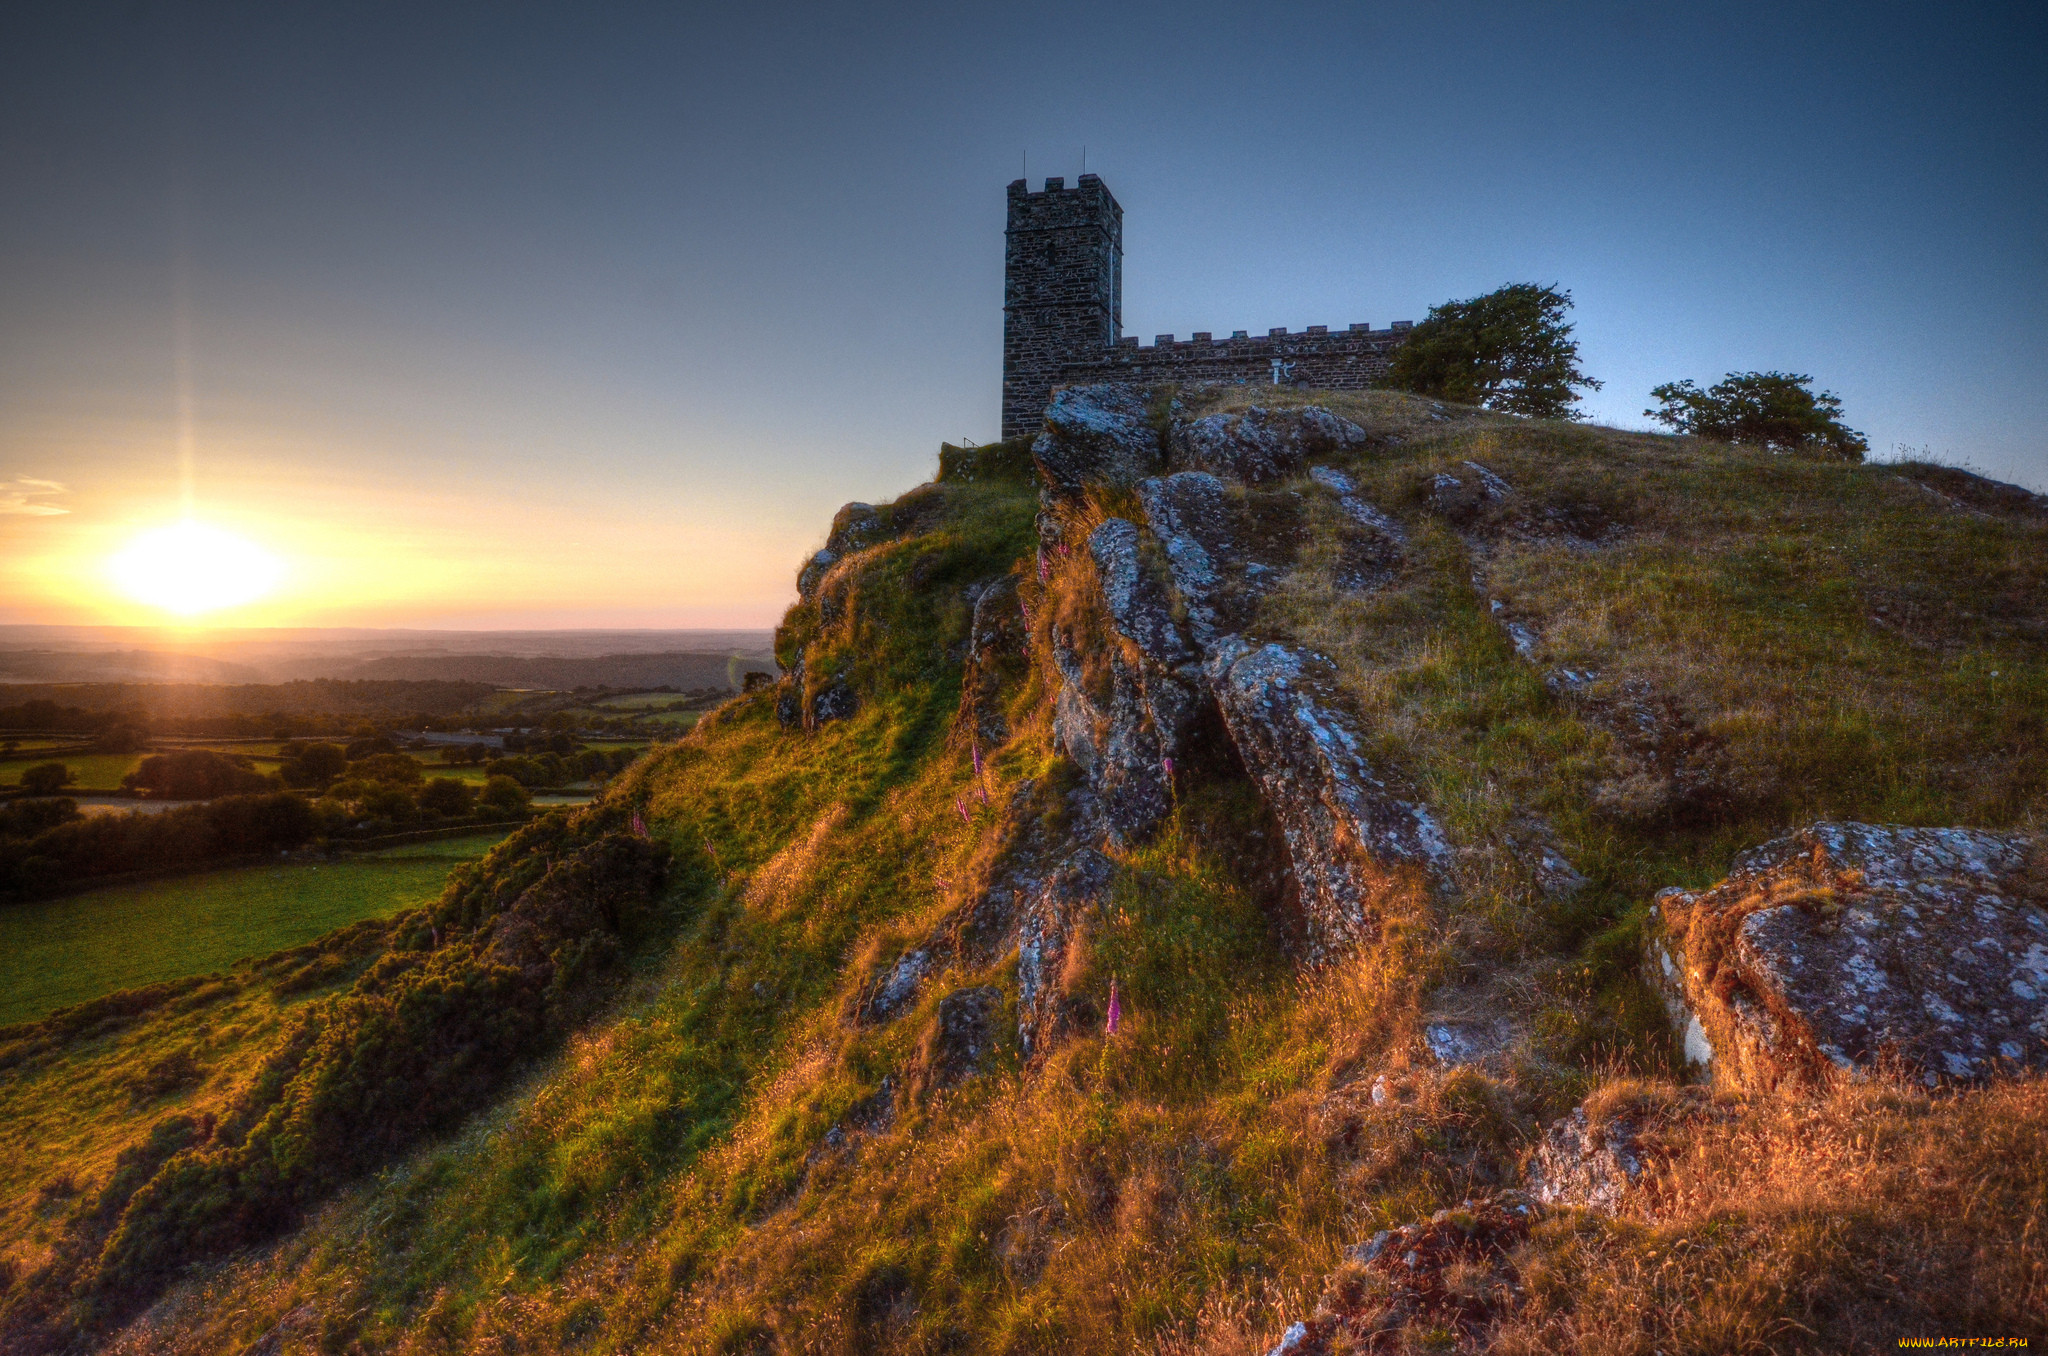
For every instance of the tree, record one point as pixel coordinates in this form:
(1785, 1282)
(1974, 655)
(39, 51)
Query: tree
(196, 774)
(385, 767)
(446, 796)
(314, 765)
(1776, 411)
(46, 779)
(1510, 350)
(502, 795)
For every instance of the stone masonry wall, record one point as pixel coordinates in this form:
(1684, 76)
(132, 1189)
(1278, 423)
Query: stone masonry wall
(1062, 289)
(1347, 360)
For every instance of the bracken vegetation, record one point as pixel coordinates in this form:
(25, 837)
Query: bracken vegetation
(615, 1093)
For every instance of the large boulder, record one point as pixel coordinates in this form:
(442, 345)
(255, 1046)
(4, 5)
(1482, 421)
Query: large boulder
(1352, 841)
(1846, 948)
(1097, 435)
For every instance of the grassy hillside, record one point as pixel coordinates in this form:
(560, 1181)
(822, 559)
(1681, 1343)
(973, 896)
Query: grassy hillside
(721, 1138)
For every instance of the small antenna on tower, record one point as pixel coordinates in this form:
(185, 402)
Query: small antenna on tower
(1084, 159)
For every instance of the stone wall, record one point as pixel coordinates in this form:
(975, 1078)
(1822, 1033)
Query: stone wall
(1063, 317)
(1346, 360)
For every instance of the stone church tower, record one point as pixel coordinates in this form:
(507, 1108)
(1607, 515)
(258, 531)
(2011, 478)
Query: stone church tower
(1063, 289)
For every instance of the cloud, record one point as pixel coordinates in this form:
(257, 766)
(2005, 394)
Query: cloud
(20, 495)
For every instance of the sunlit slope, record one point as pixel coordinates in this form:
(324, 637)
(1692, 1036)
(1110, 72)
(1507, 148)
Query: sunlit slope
(765, 1132)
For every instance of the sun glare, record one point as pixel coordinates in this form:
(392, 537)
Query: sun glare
(189, 568)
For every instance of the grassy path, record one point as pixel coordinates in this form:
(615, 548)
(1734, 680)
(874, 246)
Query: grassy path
(63, 951)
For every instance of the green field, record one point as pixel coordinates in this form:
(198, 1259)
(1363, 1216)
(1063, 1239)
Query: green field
(89, 771)
(63, 951)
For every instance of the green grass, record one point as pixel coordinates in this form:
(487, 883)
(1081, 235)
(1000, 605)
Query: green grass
(63, 951)
(89, 771)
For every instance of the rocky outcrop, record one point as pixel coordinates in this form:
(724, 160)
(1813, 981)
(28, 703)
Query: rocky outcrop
(1101, 435)
(1350, 838)
(1257, 445)
(1372, 541)
(996, 647)
(959, 1040)
(1045, 932)
(1847, 948)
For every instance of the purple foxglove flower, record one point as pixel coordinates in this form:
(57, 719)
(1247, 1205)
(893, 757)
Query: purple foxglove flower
(976, 746)
(1166, 765)
(639, 825)
(960, 804)
(1043, 572)
(1116, 1009)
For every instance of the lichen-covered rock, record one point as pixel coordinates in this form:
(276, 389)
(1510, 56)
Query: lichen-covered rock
(1097, 435)
(1352, 842)
(1137, 604)
(1371, 548)
(1074, 723)
(833, 700)
(1187, 513)
(1045, 930)
(1257, 445)
(959, 1040)
(996, 646)
(789, 700)
(1579, 1163)
(1465, 497)
(813, 572)
(1130, 777)
(1846, 947)
(898, 986)
(855, 527)
(1446, 1279)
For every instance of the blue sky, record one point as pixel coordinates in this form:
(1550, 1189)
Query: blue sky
(571, 315)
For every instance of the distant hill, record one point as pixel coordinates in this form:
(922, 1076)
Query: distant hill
(678, 670)
(100, 654)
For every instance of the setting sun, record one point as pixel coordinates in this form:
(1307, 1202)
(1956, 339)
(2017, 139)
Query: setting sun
(189, 568)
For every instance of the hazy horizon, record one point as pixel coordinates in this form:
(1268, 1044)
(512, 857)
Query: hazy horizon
(510, 319)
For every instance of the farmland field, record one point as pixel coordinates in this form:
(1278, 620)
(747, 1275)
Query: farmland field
(89, 771)
(58, 952)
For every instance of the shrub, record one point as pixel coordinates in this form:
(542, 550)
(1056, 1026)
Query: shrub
(1777, 411)
(418, 1041)
(46, 779)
